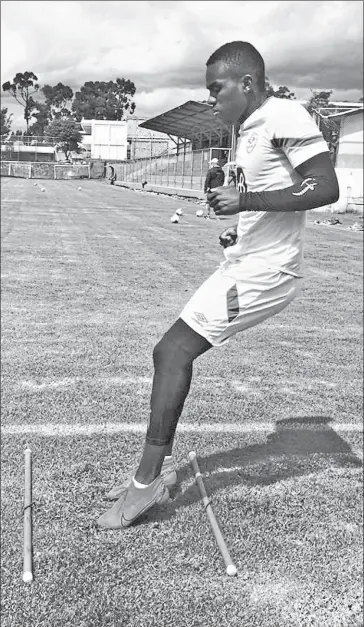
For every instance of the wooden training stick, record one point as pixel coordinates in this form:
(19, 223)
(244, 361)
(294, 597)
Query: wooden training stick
(28, 569)
(230, 566)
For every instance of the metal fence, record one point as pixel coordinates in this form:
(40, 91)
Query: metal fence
(186, 170)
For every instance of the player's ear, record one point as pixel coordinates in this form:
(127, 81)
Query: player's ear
(247, 83)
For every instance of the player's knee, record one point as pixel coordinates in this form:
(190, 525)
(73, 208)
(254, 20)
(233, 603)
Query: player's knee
(158, 354)
(169, 356)
(178, 348)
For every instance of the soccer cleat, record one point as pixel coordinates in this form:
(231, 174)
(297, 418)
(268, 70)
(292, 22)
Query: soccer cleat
(168, 475)
(139, 500)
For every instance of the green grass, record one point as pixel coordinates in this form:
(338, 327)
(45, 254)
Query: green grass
(91, 280)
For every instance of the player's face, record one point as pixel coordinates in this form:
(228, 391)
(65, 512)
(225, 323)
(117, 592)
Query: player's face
(226, 92)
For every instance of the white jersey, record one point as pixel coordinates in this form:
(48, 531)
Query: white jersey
(274, 140)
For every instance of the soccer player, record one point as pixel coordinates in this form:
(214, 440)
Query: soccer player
(283, 170)
(215, 177)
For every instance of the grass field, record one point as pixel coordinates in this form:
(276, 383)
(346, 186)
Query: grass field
(91, 279)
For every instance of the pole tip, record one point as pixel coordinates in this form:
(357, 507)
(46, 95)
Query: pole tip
(231, 570)
(192, 454)
(27, 577)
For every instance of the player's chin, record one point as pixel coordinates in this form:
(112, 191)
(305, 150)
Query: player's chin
(228, 116)
(220, 114)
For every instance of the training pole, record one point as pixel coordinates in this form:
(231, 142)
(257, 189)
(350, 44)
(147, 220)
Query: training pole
(230, 566)
(27, 568)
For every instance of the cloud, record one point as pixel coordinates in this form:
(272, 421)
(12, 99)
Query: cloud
(163, 46)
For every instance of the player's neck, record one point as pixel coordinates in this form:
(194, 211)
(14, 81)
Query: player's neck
(257, 101)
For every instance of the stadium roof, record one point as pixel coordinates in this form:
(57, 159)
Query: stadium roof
(188, 121)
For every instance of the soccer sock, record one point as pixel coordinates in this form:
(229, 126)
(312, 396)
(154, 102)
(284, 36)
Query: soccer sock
(140, 486)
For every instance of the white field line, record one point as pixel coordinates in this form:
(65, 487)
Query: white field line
(109, 428)
(246, 385)
(72, 381)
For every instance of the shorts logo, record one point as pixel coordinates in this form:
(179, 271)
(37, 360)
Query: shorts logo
(201, 319)
(310, 185)
(252, 142)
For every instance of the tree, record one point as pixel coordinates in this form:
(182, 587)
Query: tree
(319, 100)
(104, 100)
(6, 121)
(20, 89)
(281, 92)
(319, 107)
(58, 100)
(67, 135)
(42, 119)
(53, 108)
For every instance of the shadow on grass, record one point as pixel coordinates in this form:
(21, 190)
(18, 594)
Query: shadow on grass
(297, 447)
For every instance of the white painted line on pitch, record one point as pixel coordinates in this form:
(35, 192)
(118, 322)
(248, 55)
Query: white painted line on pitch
(251, 385)
(109, 428)
(71, 381)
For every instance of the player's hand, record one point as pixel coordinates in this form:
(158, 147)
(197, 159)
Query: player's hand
(224, 200)
(228, 237)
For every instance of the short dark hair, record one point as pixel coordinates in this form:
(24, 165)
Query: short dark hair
(237, 53)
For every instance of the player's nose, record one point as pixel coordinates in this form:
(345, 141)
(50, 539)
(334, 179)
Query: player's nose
(211, 100)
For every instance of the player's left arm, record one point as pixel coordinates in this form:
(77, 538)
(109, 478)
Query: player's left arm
(317, 186)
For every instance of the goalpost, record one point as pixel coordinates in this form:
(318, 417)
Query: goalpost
(69, 172)
(20, 170)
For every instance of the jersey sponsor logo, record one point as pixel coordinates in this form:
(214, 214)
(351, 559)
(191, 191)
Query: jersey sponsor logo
(252, 142)
(308, 185)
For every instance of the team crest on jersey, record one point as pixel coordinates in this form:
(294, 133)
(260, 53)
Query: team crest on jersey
(252, 142)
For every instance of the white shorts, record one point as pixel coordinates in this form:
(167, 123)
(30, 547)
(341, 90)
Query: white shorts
(236, 298)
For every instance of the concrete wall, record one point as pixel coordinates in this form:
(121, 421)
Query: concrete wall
(42, 171)
(52, 171)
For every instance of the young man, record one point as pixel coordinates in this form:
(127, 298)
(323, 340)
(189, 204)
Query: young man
(215, 177)
(283, 169)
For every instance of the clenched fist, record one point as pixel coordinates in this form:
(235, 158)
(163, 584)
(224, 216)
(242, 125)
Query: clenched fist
(225, 201)
(228, 237)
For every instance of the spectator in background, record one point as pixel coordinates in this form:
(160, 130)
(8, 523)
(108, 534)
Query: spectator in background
(112, 175)
(215, 178)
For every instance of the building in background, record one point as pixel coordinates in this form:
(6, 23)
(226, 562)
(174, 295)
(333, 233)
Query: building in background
(105, 139)
(349, 160)
(121, 141)
(28, 148)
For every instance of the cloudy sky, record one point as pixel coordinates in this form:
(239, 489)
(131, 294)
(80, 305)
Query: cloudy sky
(163, 46)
